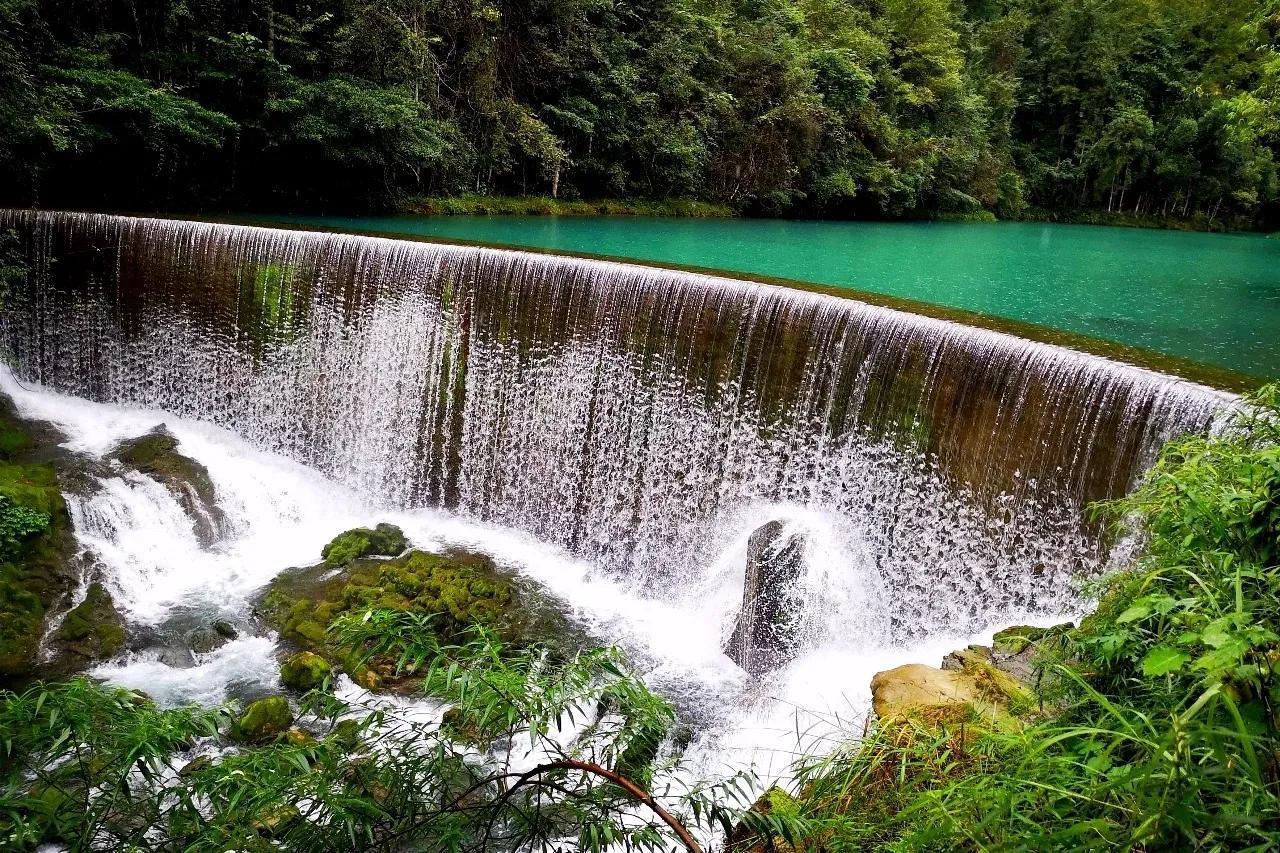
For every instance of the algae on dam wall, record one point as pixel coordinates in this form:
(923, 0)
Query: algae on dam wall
(623, 412)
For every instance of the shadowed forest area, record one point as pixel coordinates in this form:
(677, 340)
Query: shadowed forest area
(1161, 112)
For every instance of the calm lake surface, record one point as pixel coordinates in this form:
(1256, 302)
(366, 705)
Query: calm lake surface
(1211, 298)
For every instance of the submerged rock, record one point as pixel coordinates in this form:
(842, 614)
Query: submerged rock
(263, 720)
(385, 540)
(156, 455)
(93, 629)
(764, 637)
(304, 671)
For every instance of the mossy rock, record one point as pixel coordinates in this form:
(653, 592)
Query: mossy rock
(274, 821)
(458, 589)
(385, 540)
(458, 728)
(297, 737)
(940, 698)
(156, 455)
(1016, 639)
(347, 734)
(263, 720)
(304, 671)
(56, 810)
(38, 571)
(93, 629)
(743, 838)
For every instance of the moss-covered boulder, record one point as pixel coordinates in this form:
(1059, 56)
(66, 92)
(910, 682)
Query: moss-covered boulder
(909, 688)
(749, 835)
(304, 671)
(385, 540)
(991, 686)
(457, 589)
(156, 455)
(263, 720)
(93, 629)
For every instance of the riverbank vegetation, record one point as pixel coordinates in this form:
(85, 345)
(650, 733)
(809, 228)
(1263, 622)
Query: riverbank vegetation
(1156, 727)
(1160, 112)
(469, 204)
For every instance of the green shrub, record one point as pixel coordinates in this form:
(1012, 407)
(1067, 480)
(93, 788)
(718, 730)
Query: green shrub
(17, 525)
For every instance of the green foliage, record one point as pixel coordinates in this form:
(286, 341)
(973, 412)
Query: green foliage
(36, 547)
(1153, 112)
(84, 765)
(474, 205)
(17, 525)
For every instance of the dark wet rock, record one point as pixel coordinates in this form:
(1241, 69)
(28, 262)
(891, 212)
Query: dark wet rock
(205, 639)
(195, 765)
(304, 671)
(385, 540)
(93, 629)
(457, 589)
(212, 636)
(764, 637)
(156, 455)
(263, 720)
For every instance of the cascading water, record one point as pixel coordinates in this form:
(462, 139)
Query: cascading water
(639, 423)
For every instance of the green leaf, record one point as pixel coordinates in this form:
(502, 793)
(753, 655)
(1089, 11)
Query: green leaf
(1163, 660)
(1134, 613)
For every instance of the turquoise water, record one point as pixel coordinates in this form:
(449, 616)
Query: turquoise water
(1210, 298)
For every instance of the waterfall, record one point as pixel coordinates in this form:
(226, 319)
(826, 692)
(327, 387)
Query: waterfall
(639, 418)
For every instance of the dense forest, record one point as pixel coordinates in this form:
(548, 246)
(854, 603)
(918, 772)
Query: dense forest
(885, 108)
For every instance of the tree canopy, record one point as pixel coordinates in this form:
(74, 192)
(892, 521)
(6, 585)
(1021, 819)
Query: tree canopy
(811, 107)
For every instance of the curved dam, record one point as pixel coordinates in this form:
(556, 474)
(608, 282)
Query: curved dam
(630, 415)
